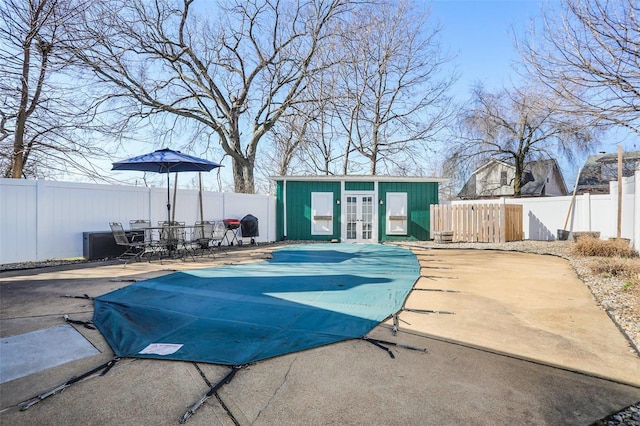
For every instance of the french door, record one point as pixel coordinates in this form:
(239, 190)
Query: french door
(359, 218)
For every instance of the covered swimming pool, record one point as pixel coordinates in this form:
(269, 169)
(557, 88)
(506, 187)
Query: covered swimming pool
(306, 296)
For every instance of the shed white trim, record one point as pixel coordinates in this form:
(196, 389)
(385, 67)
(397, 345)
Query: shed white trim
(358, 178)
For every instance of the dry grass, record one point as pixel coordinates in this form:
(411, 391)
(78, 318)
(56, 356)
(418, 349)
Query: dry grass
(613, 258)
(589, 246)
(626, 269)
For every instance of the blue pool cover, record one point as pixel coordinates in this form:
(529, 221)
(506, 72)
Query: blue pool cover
(306, 296)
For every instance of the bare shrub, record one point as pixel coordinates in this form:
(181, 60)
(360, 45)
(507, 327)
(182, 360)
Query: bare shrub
(589, 246)
(616, 266)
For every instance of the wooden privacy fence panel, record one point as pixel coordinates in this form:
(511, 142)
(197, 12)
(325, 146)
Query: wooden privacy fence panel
(483, 223)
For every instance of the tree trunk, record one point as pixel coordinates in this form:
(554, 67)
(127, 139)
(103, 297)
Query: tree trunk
(374, 146)
(17, 159)
(517, 180)
(243, 176)
(374, 163)
(345, 165)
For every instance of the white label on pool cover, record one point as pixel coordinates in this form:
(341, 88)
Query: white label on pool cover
(161, 349)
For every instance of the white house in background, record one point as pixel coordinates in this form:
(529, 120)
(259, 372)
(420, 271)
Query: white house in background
(495, 179)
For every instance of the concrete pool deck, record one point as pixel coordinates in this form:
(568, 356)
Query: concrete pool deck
(525, 344)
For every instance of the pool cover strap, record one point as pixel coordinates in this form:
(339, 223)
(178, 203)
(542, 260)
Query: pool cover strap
(225, 381)
(104, 367)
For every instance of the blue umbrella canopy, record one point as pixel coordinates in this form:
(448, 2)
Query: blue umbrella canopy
(166, 161)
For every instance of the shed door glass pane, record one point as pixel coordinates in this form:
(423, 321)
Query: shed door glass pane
(352, 217)
(367, 217)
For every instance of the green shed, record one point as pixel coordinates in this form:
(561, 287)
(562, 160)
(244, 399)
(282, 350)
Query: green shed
(354, 208)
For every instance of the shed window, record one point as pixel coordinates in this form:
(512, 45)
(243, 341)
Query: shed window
(322, 213)
(396, 213)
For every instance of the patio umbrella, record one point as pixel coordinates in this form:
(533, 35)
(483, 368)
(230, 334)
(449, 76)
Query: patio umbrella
(166, 161)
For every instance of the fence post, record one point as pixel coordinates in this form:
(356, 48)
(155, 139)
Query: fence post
(431, 220)
(586, 210)
(224, 202)
(636, 198)
(504, 225)
(42, 207)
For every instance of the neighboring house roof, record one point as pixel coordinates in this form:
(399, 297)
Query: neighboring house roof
(600, 169)
(543, 170)
(535, 178)
(469, 188)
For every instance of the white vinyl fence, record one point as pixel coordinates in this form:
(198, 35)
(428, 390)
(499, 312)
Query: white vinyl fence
(544, 216)
(42, 220)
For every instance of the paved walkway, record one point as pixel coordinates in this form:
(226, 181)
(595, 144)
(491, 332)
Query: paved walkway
(525, 305)
(524, 333)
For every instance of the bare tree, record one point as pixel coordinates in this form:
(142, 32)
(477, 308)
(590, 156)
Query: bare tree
(517, 126)
(309, 132)
(45, 117)
(589, 54)
(235, 77)
(287, 136)
(394, 99)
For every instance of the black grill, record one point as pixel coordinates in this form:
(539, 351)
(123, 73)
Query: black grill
(249, 225)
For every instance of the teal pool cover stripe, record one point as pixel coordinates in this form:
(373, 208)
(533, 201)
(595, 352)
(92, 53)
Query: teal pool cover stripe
(306, 296)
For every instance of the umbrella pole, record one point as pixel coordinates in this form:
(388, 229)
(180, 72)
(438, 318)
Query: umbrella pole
(200, 196)
(168, 199)
(175, 191)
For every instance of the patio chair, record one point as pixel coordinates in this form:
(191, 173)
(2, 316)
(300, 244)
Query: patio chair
(135, 249)
(202, 236)
(139, 228)
(138, 224)
(173, 238)
(219, 231)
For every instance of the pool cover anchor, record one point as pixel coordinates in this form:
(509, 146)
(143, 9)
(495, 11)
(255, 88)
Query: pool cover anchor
(396, 321)
(84, 296)
(428, 311)
(378, 344)
(86, 324)
(33, 401)
(381, 343)
(225, 381)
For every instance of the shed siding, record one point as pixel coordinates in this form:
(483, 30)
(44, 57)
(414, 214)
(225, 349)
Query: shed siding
(299, 209)
(359, 186)
(419, 197)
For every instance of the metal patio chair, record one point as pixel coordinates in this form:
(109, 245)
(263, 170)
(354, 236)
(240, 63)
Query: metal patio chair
(219, 231)
(173, 239)
(135, 249)
(202, 236)
(141, 230)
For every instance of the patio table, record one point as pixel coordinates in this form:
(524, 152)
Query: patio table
(170, 239)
